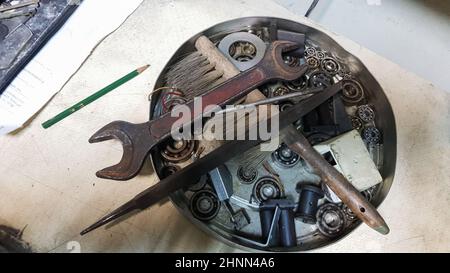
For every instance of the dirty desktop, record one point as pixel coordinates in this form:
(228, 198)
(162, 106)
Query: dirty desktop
(25, 26)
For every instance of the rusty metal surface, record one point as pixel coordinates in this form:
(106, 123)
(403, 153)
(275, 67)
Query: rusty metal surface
(139, 139)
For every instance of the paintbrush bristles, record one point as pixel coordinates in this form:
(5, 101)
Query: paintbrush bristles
(193, 75)
(207, 80)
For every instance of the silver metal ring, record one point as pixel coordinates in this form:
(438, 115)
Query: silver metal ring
(229, 40)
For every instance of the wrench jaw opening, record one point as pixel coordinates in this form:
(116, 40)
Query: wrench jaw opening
(279, 66)
(136, 143)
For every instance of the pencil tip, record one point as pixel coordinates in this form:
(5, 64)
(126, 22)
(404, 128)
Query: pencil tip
(142, 69)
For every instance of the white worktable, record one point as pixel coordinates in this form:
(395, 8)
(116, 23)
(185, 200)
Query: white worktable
(48, 182)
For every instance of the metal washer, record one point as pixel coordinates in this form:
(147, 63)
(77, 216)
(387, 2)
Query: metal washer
(229, 40)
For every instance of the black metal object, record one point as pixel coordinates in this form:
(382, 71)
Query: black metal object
(284, 233)
(266, 217)
(288, 234)
(327, 121)
(311, 8)
(309, 195)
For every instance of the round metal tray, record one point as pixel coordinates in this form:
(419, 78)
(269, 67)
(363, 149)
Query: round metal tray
(319, 47)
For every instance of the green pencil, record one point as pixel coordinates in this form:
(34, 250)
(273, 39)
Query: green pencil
(93, 97)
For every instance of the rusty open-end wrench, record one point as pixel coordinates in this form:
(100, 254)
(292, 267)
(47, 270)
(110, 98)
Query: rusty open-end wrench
(138, 139)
